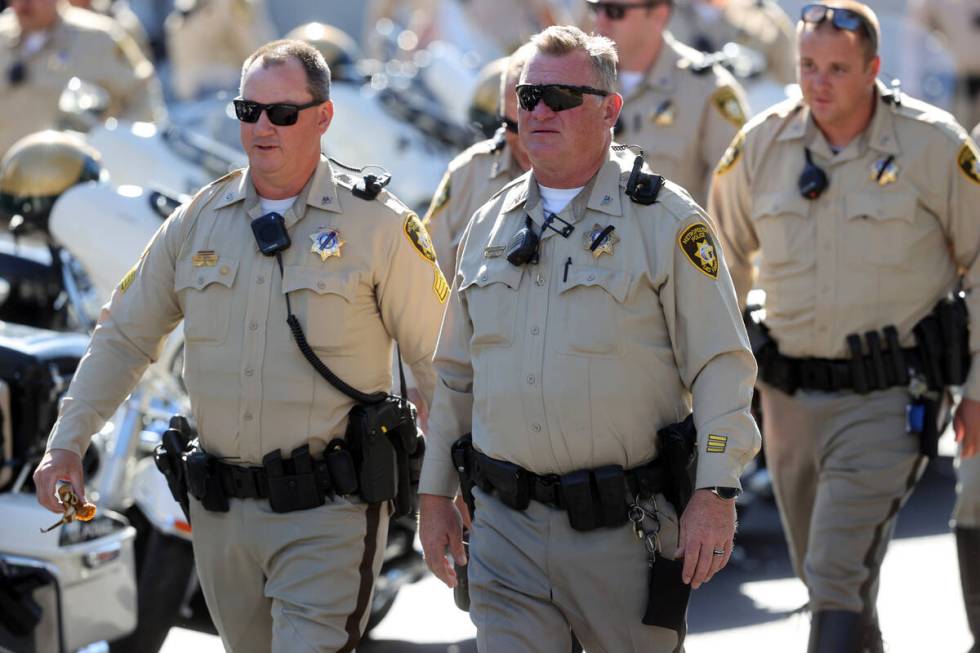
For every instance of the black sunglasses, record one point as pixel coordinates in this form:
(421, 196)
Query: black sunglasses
(617, 11)
(558, 97)
(844, 19)
(281, 115)
(509, 125)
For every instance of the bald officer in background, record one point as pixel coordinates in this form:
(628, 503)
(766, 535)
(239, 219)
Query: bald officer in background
(478, 173)
(44, 43)
(861, 206)
(680, 109)
(359, 276)
(565, 361)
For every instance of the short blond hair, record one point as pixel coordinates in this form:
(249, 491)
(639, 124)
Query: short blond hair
(870, 42)
(513, 69)
(560, 40)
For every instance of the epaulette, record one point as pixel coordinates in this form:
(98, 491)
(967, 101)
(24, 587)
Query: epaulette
(510, 184)
(368, 186)
(702, 67)
(499, 141)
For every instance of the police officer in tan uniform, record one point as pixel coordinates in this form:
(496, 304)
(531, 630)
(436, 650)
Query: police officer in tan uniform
(44, 43)
(957, 23)
(207, 41)
(861, 205)
(681, 110)
(568, 361)
(122, 13)
(360, 273)
(477, 174)
(761, 25)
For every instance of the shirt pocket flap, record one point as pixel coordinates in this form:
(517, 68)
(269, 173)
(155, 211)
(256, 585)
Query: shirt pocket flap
(297, 277)
(777, 203)
(881, 206)
(614, 282)
(188, 276)
(491, 273)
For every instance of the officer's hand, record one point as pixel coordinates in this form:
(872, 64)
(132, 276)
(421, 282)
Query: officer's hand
(464, 511)
(708, 522)
(421, 408)
(440, 529)
(58, 465)
(966, 425)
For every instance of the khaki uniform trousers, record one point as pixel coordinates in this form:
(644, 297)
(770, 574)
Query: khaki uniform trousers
(294, 582)
(966, 514)
(534, 580)
(842, 465)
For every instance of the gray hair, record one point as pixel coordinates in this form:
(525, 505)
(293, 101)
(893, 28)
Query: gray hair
(513, 69)
(276, 53)
(560, 40)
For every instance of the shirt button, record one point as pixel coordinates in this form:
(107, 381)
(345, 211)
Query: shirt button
(536, 428)
(200, 281)
(321, 285)
(483, 278)
(248, 417)
(224, 270)
(253, 326)
(539, 280)
(249, 372)
(530, 379)
(591, 277)
(535, 331)
(260, 280)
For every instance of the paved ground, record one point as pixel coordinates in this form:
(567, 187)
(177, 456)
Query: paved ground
(750, 606)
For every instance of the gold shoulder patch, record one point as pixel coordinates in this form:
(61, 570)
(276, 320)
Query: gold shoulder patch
(729, 106)
(967, 161)
(128, 279)
(699, 248)
(440, 199)
(731, 155)
(419, 237)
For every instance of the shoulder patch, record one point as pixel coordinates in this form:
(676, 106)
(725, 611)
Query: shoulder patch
(419, 237)
(967, 162)
(728, 105)
(699, 248)
(731, 155)
(129, 277)
(440, 199)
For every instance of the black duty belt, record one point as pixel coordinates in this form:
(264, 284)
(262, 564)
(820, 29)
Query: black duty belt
(592, 497)
(862, 375)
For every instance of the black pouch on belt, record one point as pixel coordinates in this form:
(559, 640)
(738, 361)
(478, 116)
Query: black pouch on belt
(367, 437)
(292, 482)
(668, 598)
(203, 482)
(580, 501)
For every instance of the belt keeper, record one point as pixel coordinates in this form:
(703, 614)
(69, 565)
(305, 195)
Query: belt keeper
(859, 378)
(880, 373)
(900, 370)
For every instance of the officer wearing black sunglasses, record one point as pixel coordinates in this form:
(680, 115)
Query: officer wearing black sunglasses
(478, 173)
(858, 204)
(590, 308)
(286, 550)
(680, 109)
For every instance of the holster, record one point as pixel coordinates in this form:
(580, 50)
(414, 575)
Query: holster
(460, 452)
(203, 482)
(678, 448)
(167, 457)
(385, 442)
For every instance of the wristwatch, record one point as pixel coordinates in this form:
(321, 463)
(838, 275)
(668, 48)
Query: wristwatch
(726, 493)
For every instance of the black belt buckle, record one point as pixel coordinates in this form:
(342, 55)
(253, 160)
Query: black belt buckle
(547, 489)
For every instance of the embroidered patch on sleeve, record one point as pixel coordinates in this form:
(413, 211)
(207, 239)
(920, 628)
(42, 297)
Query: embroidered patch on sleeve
(717, 443)
(440, 285)
(731, 155)
(127, 280)
(439, 201)
(419, 238)
(967, 162)
(728, 106)
(699, 248)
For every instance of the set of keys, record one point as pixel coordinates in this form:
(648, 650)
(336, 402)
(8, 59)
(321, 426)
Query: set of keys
(73, 507)
(646, 526)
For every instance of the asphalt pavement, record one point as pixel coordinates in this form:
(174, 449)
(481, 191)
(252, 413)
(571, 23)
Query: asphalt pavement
(753, 606)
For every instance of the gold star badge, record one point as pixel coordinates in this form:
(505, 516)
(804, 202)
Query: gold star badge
(885, 171)
(326, 243)
(663, 115)
(600, 240)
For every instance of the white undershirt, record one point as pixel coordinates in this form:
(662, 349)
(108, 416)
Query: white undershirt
(629, 80)
(556, 199)
(276, 206)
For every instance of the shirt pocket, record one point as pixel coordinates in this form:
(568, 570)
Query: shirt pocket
(491, 295)
(590, 306)
(880, 227)
(206, 294)
(322, 301)
(782, 226)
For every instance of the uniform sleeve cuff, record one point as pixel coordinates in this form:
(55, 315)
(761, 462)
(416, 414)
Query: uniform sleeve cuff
(438, 477)
(971, 389)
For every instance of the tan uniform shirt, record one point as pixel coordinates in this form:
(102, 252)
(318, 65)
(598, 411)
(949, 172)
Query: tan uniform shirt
(82, 44)
(758, 24)
(359, 274)
(875, 248)
(958, 24)
(470, 181)
(208, 44)
(683, 114)
(575, 362)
